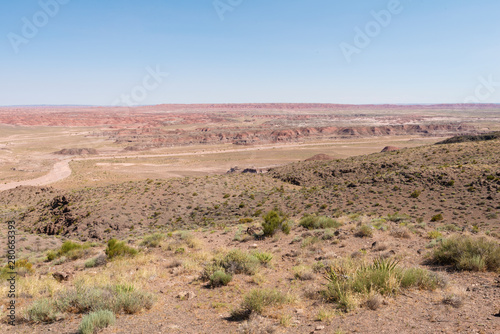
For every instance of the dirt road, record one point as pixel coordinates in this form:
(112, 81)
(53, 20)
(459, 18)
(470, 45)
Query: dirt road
(60, 171)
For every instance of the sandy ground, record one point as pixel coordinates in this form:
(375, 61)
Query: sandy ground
(60, 171)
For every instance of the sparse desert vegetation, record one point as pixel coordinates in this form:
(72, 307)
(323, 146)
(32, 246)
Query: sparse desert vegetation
(312, 246)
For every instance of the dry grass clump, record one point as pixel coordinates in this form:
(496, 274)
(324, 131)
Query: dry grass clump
(364, 231)
(119, 249)
(468, 253)
(257, 300)
(42, 310)
(238, 262)
(374, 302)
(70, 250)
(224, 265)
(256, 324)
(453, 300)
(99, 261)
(351, 282)
(93, 322)
(190, 240)
(153, 240)
(401, 232)
(84, 299)
(303, 273)
(313, 222)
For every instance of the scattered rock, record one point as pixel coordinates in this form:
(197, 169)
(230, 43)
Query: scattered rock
(61, 276)
(186, 295)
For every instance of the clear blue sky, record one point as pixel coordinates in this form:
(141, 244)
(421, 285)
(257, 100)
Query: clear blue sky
(93, 51)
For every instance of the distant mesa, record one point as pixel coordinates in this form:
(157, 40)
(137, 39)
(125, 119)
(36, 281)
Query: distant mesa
(390, 149)
(320, 157)
(471, 138)
(77, 151)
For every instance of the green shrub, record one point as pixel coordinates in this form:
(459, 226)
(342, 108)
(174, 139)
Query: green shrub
(312, 222)
(220, 278)
(264, 257)
(434, 235)
(51, 255)
(116, 298)
(285, 227)
(468, 253)
(257, 299)
(416, 194)
(437, 217)
(210, 269)
(69, 249)
(118, 248)
(42, 310)
(273, 221)
(95, 321)
(352, 282)
(22, 268)
(421, 278)
(238, 262)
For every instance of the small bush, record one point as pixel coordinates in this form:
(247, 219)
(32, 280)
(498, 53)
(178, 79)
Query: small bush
(364, 231)
(257, 300)
(118, 248)
(401, 232)
(22, 268)
(416, 194)
(309, 241)
(434, 235)
(351, 282)
(312, 222)
(153, 240)
(374, 302)
(70, 250)
(437, 218)
(286, 227)
(116, 298)
(209, 270)
(273, 221)
(453, 300)
(51, 255)
(95, 321)
(101, 260)
(264, 257)
(303, 273)
(220, 278)
(42, 310)
(238, 262)
(468, 253)
(421, 278)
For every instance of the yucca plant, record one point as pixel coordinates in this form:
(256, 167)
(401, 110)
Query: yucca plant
(387, 265)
